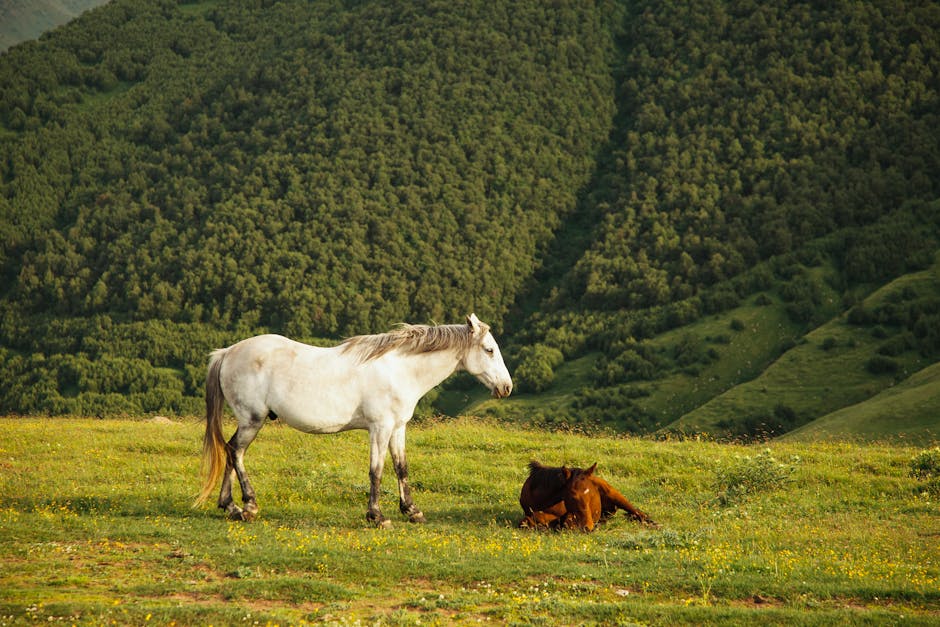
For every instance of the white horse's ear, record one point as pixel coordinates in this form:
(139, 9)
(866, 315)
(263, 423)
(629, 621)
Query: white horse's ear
(473, 322)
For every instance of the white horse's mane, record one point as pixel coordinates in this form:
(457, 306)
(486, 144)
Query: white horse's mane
(413, 339)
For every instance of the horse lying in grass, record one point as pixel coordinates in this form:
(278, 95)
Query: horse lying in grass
(571, 498)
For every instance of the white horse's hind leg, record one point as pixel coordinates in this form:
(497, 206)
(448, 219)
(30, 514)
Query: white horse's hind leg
(235, 468)
(378, 446)
(397, 448)
(225, 494)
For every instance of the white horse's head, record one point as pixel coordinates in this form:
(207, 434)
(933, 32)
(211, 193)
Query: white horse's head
(484, 361)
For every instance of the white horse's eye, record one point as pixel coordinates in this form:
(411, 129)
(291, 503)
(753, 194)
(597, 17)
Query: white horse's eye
(489, 351)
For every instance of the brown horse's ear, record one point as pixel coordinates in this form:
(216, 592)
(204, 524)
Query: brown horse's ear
(566, 472)
(590, 471)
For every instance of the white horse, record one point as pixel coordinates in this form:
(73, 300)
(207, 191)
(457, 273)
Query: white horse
(370, 382)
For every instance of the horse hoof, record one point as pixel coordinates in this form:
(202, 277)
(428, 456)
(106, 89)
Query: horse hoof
(236, 513)
(417, 517)
(379, 521)
(251, 511)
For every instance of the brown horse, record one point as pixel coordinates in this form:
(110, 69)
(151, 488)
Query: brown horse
(571, 498)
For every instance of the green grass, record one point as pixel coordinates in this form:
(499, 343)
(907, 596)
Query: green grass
(96, 99)
(198, 8)
(896, 412)
(95, 528)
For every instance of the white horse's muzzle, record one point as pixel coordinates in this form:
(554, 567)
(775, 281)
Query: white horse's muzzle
(502, 390)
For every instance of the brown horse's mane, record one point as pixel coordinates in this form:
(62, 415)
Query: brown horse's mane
(549, 477)
(413, 339)
(551, 480)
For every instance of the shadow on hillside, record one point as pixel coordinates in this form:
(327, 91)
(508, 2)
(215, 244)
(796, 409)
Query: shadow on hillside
(578, 229)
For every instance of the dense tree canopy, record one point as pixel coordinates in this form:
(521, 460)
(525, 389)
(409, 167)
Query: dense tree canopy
(174, 175)
(753, 128)
(306, 167)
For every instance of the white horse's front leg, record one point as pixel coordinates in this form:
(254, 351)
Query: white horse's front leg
(405, 503)
(378, 446)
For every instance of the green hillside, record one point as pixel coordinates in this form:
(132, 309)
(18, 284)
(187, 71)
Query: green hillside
(907, 411)
(840, 364)
(21, 20)
(664, 210)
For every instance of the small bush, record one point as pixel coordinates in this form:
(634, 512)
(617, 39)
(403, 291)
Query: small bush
(536, 370)
(897, 345)
(763, 300)
(879, 364)
(751, 475)
(690, 350)
(633, 364)
(926, 464)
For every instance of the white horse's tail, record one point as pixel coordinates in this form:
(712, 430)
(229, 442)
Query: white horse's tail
(214, 448)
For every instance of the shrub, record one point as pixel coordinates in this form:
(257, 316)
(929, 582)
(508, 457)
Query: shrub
(761, 426)
(633, 364)
(536, 370)
(720, 299)
(689, 350)
(565, 340)
(897, 345)
(751, 475)
(763, 300)
(926, 464)
(879, 364)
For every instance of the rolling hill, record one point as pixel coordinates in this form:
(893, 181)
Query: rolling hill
(904, 412)
(676, 218)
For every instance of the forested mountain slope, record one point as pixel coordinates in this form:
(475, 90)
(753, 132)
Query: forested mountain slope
(591, 180)
(783, 155)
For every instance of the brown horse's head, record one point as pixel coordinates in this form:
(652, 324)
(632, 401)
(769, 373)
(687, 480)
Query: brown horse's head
(582, 499)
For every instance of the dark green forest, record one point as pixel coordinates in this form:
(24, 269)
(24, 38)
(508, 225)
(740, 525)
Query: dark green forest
(588, 178)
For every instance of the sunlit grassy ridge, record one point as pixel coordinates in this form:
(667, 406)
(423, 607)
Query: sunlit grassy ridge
(827, 373)
(899, 410)
(95, 526)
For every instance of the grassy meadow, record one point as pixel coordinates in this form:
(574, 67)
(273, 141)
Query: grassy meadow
(96, 528)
